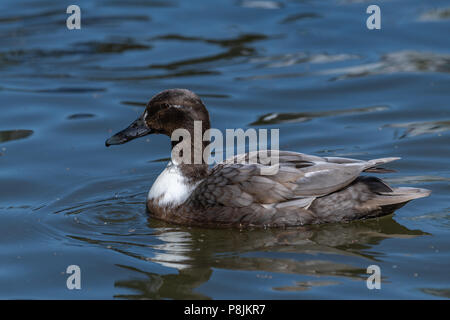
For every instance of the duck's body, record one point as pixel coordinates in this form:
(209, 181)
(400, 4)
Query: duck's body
(305, 190)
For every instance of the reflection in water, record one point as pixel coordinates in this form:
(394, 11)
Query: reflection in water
(323, 252)
(174, 250)
(272, 118)
(174, 286)
(8, 135)
(418, 128)
(197, 252)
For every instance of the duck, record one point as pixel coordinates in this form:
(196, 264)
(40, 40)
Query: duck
(305, 190)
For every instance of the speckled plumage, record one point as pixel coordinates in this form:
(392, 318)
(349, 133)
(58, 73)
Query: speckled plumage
(237, 195)
(306, 189)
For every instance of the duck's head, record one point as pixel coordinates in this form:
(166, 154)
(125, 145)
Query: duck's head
(167, 111)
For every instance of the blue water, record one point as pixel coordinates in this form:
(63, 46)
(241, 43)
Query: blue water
(310, 68)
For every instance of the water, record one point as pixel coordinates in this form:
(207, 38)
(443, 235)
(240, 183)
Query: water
(310, 68)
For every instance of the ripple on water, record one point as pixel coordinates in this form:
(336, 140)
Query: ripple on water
(261, 4)
(77, 116)
(273, 118)
(413, 129)
(134, 103)
(443, 293)
(9, 135)
(435, 15)
(289, 59)
(111, 46)
(301, 16)
(306, 285)
(396, 62)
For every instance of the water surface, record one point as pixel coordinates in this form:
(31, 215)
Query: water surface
(310, 68)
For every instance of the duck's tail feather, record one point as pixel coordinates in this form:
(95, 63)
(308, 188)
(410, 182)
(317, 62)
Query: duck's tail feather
(387, 202)
(397, 198)
(386, 196)
(372, 165)
(403, 194)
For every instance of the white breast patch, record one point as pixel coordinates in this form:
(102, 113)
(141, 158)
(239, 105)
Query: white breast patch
(171, 187)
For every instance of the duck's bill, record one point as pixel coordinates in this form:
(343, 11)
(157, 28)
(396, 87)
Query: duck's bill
(137, 129)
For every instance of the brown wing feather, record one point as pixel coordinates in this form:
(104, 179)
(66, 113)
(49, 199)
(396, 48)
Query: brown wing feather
(301, 192)
(236, 183)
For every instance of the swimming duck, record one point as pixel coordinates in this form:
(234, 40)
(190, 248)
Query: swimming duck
(306, 189)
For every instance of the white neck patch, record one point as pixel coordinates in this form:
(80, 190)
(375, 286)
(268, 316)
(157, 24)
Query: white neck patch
(171, 187)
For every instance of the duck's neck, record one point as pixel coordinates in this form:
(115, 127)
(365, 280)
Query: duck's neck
(183, 173)
(188, 156)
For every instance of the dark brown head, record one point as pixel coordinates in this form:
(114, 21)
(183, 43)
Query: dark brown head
(167, 111)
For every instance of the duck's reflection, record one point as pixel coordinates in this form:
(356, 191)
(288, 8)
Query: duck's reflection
(313, 251)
